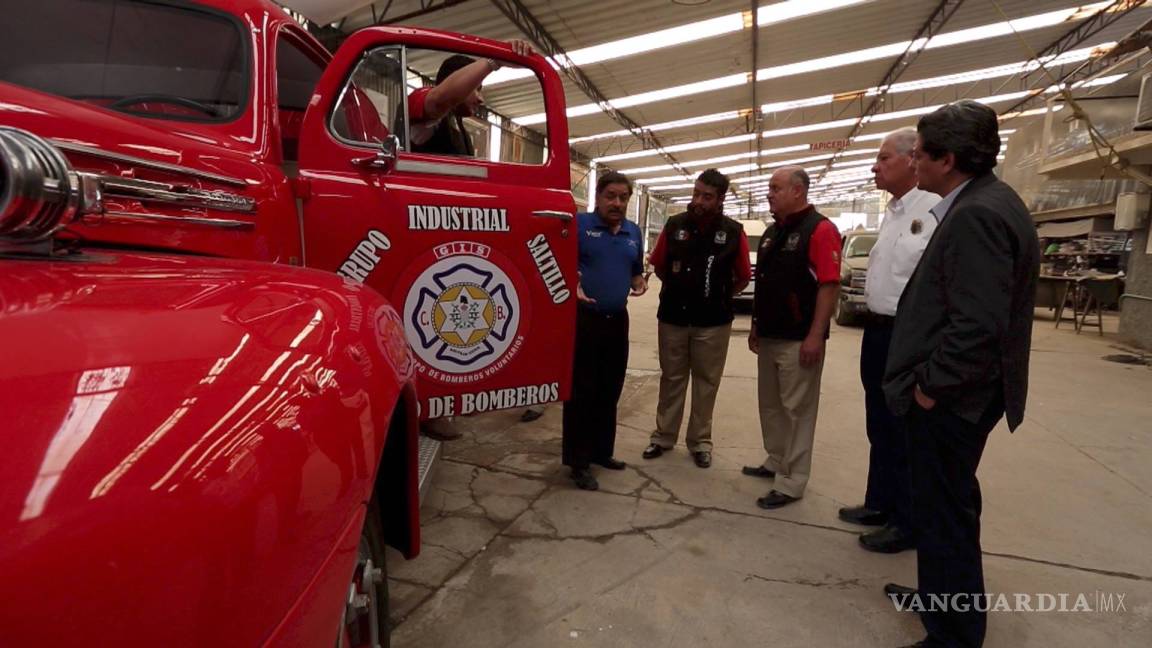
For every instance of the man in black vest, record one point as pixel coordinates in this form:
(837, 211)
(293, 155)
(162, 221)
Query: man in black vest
(797, 285)
(959, 356)
(701, 259)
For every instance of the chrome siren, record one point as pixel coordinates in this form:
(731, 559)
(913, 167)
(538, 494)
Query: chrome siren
(39, 191)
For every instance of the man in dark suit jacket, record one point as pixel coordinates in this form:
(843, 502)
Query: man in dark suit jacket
(959, 355)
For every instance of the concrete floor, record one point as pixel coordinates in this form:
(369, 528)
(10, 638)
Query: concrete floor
(667, 554)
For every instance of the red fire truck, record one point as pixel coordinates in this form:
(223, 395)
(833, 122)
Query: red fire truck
(228, 292)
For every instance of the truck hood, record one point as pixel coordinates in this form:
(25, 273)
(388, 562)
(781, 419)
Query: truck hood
(69, 122)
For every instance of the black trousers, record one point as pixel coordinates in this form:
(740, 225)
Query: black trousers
(597, 380)
(888, 459)
(944, 453)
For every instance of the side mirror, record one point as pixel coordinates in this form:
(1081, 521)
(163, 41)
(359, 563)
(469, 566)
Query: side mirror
(385, 158)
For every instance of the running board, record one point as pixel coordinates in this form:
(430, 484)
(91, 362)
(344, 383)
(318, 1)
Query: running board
(429, 456)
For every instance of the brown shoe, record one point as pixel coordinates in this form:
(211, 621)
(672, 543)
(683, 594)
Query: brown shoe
(441, 429)
(703, 458)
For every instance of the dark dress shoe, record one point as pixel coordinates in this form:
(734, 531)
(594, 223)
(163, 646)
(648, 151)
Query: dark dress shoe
(703, 458)
(892, 589)
(531, 414)
(890, 539)
(775, 499)
(652, 451)
(863, 515)
(584, 479)
(758, 471)
(611, 463)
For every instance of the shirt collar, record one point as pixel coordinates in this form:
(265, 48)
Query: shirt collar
(794, 216)
(942, 207)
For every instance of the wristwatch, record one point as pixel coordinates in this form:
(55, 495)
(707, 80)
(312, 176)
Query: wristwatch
(494, 65)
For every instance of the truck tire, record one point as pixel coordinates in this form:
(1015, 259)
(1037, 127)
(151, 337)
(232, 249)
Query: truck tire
(365, 620)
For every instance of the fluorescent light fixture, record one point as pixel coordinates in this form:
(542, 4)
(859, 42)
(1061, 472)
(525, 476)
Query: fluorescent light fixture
(679, 123)
(690, 146)
(699, 164)
(839, 123)
(681, 34)
(974, 34)
(708, 85)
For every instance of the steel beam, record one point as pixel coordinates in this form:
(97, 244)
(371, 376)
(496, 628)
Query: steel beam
(1074, 38)
(940, 16)
(429, 7)
(519, 15)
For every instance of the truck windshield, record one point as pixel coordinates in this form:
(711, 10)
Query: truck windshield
(141, 58)
(860, 246)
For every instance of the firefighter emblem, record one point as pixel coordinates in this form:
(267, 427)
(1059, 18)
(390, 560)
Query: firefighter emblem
(462, 315)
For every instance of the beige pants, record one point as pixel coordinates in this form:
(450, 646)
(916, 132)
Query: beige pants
(789, 398)
(701, 353)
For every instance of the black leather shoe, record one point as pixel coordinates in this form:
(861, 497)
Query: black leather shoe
(703, 458)
(611, 463)
(757, 471)
(584, 480)
(890, 539)
(892, 589)
(863, 515)
(775, 499)
(531, 414)
(652, 451)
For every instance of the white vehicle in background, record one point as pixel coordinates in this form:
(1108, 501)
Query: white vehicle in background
(753, 229)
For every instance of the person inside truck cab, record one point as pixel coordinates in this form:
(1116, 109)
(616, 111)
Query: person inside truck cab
(437, 112)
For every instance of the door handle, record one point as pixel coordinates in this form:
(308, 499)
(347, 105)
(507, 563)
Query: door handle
(548, 213)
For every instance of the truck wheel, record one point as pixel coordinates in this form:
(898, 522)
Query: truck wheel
(843, 316)
(365, 620)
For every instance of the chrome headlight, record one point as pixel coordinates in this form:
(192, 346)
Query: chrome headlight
(39, 192)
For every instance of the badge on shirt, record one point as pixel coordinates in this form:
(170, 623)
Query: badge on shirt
(675, 266)
(917, 226)
(682, 235)
(593, 233)
(793, 242)
(721, 237)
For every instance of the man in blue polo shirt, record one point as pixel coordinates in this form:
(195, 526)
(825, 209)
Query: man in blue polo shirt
(611, 268)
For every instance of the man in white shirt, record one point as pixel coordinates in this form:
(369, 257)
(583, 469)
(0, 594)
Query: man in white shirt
(904, 233)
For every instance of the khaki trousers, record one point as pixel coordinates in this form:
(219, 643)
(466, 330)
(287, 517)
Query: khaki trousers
(789, 398)
(699, 352)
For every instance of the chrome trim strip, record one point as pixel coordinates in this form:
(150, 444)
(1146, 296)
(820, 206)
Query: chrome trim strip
(442, 168)
(173, 194)
(549, 213)
(223, 223)
(151, 164)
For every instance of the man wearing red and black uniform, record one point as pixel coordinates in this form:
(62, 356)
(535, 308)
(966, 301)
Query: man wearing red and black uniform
(797, 285)
(701, 259)
(436, 114)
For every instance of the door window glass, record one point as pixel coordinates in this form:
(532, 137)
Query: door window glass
(434, 108)
(372, 100)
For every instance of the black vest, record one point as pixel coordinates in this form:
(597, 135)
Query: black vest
(785, 286)
(449, 138)
(698, 271)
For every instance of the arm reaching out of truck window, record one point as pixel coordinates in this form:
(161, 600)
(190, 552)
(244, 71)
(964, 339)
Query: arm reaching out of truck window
(456, 94)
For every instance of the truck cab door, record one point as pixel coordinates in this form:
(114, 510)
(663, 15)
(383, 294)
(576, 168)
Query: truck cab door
(478, 255)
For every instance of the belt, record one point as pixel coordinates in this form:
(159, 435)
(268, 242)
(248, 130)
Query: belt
(880, 320)
(585, 310)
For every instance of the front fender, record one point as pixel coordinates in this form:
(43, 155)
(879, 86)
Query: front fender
(185, 441)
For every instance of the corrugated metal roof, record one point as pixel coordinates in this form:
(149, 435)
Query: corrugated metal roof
(577, 24)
